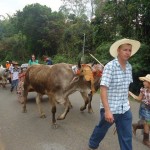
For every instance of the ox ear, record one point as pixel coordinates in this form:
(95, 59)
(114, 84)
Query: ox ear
(79, 64)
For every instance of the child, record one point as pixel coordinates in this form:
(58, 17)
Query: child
(14, 76)
(20, 87)
(144, 111)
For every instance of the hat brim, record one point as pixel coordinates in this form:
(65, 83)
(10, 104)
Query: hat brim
(144, 79)
(15, 63)
(135, 46)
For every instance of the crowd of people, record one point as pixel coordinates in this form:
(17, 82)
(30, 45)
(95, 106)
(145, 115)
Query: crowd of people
(17, 74)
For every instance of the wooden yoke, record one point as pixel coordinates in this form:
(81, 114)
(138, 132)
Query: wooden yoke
(88, 75)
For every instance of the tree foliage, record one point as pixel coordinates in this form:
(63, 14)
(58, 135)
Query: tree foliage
(41, 27)
(80, 27)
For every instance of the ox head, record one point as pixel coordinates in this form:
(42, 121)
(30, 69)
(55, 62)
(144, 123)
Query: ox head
(91, 72)
(93, 69)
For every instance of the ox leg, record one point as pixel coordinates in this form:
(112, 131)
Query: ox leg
(3, 85)
(90, 95)
(25, 94)
(86, 100)
(53, 110)
(67, 107)
(38, 102)
(4, 81)
(70, 105)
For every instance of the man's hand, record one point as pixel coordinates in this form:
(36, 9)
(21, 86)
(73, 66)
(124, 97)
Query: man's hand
(109, 117)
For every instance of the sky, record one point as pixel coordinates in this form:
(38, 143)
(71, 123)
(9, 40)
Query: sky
(11, 6)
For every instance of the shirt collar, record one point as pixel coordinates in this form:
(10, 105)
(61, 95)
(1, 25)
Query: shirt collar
(118, 64)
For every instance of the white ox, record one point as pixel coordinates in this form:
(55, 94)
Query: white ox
(4, 73)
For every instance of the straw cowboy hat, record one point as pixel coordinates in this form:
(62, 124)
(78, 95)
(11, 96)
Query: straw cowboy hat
(15, 63)
(146, 78)
(135, 46)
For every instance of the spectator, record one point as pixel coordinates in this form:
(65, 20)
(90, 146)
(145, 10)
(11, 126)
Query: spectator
(7, 65)
(33, 61)
(47, 60)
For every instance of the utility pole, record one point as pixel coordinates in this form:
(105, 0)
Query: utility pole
(82, 58)
(83, 44)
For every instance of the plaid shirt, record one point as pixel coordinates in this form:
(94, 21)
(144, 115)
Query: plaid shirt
(117, 81)
(146, 96)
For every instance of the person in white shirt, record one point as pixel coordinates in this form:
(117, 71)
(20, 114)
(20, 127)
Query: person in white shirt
(14, 76)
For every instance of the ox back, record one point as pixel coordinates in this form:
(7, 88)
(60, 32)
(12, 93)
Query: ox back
(46, 79)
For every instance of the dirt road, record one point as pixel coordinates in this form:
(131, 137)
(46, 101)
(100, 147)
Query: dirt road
(26, 131)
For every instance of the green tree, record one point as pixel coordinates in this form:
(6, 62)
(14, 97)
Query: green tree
(42, 27)
(124, 19)
(74, 36)
(77, 7)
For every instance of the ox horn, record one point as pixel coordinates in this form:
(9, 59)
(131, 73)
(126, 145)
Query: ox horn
(79, 64)
(93, 63)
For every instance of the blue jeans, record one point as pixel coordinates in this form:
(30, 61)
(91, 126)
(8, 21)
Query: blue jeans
(124, 130)
(14, 83)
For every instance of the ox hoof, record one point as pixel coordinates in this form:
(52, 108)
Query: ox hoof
(90, 111)
(43, 116)
(60, 117)
(24, 110)
(54, 125)
(82, 108)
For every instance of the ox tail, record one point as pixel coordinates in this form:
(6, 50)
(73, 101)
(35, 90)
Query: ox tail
(27, 80)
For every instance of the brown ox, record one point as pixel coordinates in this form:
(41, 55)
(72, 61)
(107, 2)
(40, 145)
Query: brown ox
(58, 82)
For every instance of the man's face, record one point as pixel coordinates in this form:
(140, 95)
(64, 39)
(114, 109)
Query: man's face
(124, 51)
(15, 66)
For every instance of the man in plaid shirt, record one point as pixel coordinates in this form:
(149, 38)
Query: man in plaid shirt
(114, 88)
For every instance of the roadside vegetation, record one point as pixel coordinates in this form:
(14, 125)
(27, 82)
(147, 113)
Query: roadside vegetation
(77, 30)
